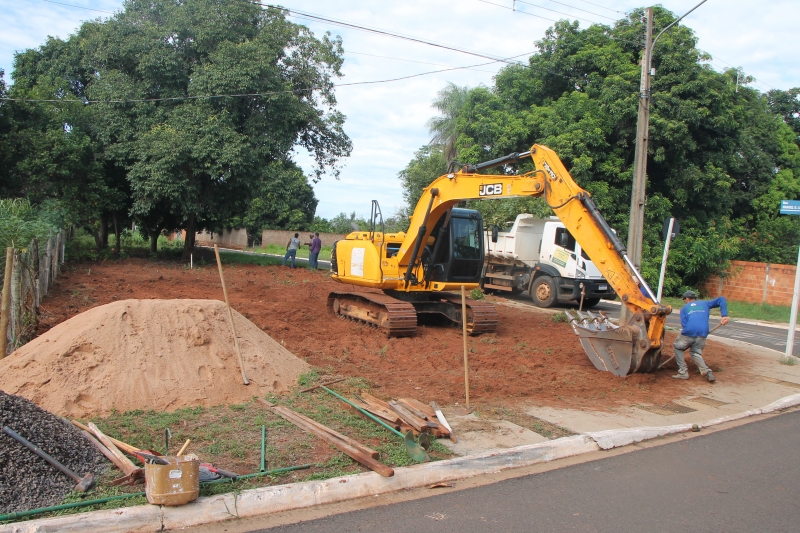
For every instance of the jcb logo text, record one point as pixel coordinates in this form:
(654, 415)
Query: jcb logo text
(490, 190)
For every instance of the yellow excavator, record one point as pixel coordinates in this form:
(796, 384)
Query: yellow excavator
(443, 249)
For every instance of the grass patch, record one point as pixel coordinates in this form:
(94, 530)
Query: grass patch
(230, 438)
(788, 360)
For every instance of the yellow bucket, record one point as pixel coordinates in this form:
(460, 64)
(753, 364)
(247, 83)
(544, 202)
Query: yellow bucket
(174, 484)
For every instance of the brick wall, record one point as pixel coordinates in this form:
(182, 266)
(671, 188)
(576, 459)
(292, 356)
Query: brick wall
(281, 237)
(755, 283)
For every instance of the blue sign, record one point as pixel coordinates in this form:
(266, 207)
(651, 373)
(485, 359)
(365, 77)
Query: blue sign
(790, 207)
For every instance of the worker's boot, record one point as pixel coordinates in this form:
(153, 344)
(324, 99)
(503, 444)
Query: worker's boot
(710, 376)
(681, 375)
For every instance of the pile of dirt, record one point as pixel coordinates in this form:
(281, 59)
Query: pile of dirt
(26, 480)
(147, 354)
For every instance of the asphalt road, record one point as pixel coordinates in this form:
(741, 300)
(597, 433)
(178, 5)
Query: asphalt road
(760, 335)
(743, 479)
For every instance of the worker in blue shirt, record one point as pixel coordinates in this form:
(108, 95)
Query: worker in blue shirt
(694, 330)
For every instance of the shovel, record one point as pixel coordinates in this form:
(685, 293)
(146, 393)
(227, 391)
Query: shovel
(715, 328)
(415, 451)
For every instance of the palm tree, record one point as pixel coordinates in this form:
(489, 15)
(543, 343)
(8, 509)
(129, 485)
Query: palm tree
(443, 128)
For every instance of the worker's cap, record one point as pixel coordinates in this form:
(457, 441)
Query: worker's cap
(690, 294)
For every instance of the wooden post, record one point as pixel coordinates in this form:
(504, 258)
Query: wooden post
(464, 331)
(230, 316)
(6, 304)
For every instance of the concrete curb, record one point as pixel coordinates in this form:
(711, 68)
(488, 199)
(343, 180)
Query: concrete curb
(267, 500)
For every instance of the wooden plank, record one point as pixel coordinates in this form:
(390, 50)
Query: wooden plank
(127, 465)
(413, 421)
(380, 408)
(427, 409)
(344, 438)
(105, 451)
(413, 410)
(127, 448)
(354, 453)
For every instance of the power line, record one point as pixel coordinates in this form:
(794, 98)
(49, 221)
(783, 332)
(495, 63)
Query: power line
(579, 9)
(348, 52)
(515, 11)
(378, 31)
(604, 7)
(78, 7)
(554, 11)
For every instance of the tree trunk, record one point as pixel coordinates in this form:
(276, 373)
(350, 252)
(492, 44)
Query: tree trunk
(117, 233)
(188, 242)
(101, 234)
(153, 234)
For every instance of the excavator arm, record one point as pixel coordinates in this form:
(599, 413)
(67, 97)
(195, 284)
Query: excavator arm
(622, 350)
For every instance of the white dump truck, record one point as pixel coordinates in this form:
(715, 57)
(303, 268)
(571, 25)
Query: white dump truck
(541, 257)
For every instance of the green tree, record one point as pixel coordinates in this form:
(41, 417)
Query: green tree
(160, 131)
(428, 164)
(444, 128)
(718, 158)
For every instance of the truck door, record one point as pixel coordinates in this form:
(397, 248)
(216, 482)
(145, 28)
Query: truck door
(564, 255)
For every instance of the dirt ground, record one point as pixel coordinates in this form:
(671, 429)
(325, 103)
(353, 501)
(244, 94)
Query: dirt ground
(530, 359)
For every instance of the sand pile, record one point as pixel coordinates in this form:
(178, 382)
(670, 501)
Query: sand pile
(147, 354)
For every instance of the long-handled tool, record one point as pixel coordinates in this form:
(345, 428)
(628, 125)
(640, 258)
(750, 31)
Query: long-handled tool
(230, 316)
(84, 483)
(715, 328)
(414, 450)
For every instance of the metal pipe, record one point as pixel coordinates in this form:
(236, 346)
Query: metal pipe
(510, 158)
(640, 278)
(263, 448)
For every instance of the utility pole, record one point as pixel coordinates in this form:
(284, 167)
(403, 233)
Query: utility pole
(636, 227)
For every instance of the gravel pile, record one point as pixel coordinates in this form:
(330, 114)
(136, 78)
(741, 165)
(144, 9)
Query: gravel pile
(26, 480)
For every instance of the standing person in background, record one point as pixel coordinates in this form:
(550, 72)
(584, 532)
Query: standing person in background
(313, 251)
(291, 249)
(694, 330)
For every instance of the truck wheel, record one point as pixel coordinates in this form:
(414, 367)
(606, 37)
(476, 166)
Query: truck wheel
(543, 291)
(590, 302)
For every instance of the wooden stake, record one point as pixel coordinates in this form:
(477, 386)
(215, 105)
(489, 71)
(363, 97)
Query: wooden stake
(464, 331)
(230, 316)
(5, 311)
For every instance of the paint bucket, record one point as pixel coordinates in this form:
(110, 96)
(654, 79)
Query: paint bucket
(176, 483)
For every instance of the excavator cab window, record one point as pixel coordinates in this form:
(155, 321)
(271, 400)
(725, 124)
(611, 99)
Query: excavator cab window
(467, 247)
(460, 254)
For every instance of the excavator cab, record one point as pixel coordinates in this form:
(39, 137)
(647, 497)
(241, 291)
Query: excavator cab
(459, 255)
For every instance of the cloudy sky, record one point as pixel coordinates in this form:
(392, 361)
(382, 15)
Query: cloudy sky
(387, 121)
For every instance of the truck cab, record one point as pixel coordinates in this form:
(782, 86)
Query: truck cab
(541, 257)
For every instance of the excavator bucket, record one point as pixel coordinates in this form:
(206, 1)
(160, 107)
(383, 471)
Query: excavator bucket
(621, 350)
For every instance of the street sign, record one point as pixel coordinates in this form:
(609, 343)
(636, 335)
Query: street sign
(790, 207)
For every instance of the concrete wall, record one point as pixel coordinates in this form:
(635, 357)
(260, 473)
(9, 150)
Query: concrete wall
(281, 237)
(754, 283)
(235, 239)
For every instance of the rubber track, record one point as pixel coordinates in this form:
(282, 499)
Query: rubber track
(402, 316)
(484, 314)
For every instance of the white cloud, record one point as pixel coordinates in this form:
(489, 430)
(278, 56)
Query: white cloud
(387, 122)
